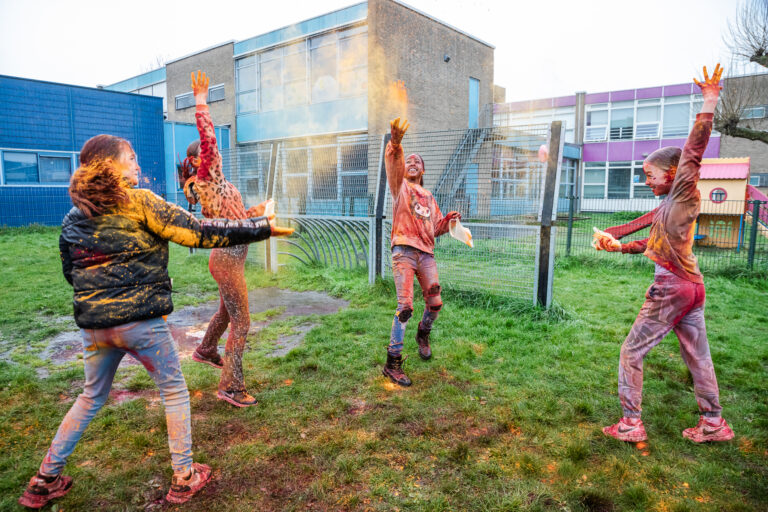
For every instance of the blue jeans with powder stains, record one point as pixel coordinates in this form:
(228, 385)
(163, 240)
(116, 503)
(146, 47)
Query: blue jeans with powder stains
(149, 342)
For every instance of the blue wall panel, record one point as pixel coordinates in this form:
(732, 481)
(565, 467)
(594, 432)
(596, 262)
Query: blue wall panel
(44, 116)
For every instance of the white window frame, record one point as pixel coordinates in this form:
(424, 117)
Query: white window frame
(653, 128)
(603, 183)
(622, 105)
(756, 112)
(599, 132)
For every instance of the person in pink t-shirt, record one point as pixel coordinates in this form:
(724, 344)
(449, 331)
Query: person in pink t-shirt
(416, 222)
(675, 301)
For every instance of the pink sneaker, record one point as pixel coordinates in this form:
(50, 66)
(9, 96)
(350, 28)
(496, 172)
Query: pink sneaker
(182, 489)
(627, 429)
(709, 429)
(43, 488)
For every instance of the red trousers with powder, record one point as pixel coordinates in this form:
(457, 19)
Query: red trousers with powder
(227, 266)
(671, 303)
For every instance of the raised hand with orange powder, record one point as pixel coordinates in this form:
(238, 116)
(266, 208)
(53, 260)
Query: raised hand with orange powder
(675, 301)
(220, 199)
(416, 222)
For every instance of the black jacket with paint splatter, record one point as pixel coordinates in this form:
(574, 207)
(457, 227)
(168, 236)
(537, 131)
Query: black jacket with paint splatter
(117, 263)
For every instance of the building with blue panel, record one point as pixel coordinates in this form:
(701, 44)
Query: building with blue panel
(43, 125)
(319, 94)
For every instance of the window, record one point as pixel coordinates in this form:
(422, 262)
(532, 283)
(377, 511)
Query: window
(619, 181)
(648, 117)
(353, 62)
(754, 181)
(753, 113)
(594, 180)
(158, 89)
(513, 175)
(246, 81)
(639, 189)
(718, 195)
(216, 93)
(622, 114)
(676, 116)
(325, 86)
(568, 177)
(271, 79)
(597, 123)
(354, 169)
(324, 173)
(185, 100)
(31, 168)
(295, 75)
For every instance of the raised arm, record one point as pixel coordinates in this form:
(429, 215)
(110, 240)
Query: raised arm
(687, 176)
(210, 159)
(394, 161)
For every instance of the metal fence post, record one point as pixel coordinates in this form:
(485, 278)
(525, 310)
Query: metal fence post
(381, 190)
(753, 232)
(270, 247)
(571, 207)
(546, 246)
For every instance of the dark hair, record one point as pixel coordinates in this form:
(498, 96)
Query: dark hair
(423, 166)
(666, 158)
(194, 148)
(97, 185)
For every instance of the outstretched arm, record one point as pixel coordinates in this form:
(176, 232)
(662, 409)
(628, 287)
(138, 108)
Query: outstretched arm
(687, 176)
(632, 226)
(210, 159)
(394, 161)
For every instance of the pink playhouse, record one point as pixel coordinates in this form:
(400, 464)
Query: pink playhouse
(725, 212)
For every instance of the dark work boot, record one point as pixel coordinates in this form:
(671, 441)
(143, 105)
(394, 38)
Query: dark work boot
(422, 338)
(394, 370)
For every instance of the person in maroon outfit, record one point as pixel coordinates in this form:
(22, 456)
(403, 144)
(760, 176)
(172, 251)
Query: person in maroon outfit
(416, 222)
(675, 301)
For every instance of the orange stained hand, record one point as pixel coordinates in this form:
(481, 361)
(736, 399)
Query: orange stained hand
(280, 231)
(397, 130)
(711, 82)
(199, 84)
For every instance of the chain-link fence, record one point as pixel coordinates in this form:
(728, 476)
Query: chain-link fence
(725, 236)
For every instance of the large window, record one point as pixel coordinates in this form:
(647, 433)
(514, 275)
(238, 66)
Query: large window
(648, 119)
(622, 120)
(568, 171)
(594, 180)
(597, 123)
(513, 175)
(545, 116)
(246, 81)
(322, 68)
(615, 180)
(27, 168)
(676, 116)
(619, 180)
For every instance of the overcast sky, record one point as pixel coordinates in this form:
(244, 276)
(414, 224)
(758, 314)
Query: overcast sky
(543, 47)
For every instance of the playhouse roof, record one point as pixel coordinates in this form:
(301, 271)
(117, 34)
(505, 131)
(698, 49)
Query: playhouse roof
(724, 168)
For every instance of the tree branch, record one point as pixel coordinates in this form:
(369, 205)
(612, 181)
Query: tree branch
(743, 133)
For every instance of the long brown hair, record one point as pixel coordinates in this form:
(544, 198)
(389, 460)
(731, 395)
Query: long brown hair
(97, 185)
(666, 158)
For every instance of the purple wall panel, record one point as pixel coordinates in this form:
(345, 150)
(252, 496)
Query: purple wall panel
(595, 152)
(677, 90)
(598, 97)
(565, 101)
(628, 94)
(619, 151)
(649, 92)
(541, 104)
(713, 148)
(644, 146)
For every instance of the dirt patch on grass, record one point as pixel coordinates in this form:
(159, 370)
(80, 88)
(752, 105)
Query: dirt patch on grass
(188, 324)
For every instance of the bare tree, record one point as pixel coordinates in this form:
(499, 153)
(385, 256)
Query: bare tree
(747, 37)
(748, 33)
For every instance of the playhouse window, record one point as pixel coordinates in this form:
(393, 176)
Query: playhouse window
(718, 195)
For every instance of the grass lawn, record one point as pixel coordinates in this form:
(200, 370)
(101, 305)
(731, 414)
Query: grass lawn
(506, 416)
